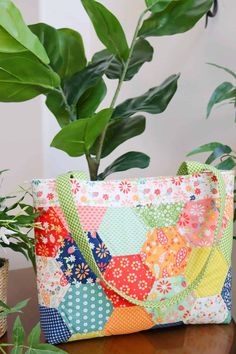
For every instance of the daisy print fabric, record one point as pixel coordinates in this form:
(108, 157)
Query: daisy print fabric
(150, 238)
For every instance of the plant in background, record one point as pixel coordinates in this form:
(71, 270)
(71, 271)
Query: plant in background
(21, 344)
(221, 155)
(16, 223)
(40, 59)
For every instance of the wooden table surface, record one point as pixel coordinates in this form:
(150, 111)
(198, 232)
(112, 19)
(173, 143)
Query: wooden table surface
(205, 339)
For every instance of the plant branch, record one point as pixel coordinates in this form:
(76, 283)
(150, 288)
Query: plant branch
(120, 83)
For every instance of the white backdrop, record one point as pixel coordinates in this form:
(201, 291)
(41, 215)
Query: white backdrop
(27, 129)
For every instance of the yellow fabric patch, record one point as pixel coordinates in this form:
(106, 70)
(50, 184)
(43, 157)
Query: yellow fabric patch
(79, 336)
(128, 320)
(214, 276)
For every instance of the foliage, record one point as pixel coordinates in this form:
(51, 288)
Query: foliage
(16, 223)
(22, 344)
(221, 155)
(52, 62)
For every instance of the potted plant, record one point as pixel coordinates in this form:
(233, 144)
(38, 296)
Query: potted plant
(34, 60)
(221, 155)
(16, 222)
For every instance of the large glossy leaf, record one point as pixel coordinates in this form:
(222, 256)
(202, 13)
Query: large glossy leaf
(56, 105)
(143, 52)
(153, 101)
(157, 6)
(91, 99)
(79, 83)
(218, 152)
(8, 44)
(125, 162)
(119, 131)
(180, 16)
(221, 93)
(64, 47)
(72, 52)
(78, 137)
(49, 38)
(108, 28)
(12, 22)
(23, 77)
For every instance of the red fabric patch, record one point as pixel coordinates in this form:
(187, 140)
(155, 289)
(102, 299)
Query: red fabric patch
(52, 235)
(129, 275)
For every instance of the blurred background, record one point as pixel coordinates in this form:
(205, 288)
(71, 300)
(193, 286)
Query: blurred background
(28, 128)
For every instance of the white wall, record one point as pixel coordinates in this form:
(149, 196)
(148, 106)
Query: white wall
(169, 136)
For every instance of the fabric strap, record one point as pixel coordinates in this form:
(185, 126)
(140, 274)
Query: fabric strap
(69, 208)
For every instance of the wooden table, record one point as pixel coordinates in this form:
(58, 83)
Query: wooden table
(206, 339)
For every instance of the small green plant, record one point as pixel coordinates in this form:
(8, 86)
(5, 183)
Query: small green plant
(16, 223)
(20, 344)
(40, 59)
(221, 155)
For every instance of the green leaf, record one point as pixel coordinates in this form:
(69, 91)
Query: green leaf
(157, 6)
(56, 105)
(8, 44)
(34, 336)
(27, 208)
(125, 162)
(108, 28)
(16, 350)
(72, 52)
(205, 148)
(120, 130)
(49, 38)
(3, 305)
(17, 308)
(22, 77)
(45, 349)
(79, 83)
(64, 47)
(143, 52)
(227, 164)
(77, 138)
(219, 95)
(91, 99)
(178, 17)
(153, 101)
(18, 332)
(231, 72)
(12, 22)
(218, 152)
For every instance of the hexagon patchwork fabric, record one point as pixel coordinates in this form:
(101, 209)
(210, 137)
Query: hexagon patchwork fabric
(151, 241)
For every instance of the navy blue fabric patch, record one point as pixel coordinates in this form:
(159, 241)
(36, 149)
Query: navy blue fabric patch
(167, 325)
(73, 264)
(226, 291)
(53, 326)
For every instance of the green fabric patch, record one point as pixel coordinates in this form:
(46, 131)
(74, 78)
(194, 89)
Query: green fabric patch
(122, 231)
(85, 308)
(160, 216)
(226, 243)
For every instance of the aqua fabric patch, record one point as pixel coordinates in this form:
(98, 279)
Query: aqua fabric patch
(85, 308)
(73, 264)
(227, 290)
(122, 231)
(53, 326)
(161, 216)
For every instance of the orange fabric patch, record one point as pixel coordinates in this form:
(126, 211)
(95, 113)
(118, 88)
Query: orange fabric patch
(128, 320)
(165, 252)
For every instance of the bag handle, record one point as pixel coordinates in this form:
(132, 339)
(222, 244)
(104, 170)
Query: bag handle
(67, 203)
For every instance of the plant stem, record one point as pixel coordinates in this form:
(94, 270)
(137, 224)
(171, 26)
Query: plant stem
(118, 89)
(67, 106)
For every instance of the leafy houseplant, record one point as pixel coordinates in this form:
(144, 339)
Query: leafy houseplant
(221, 155)
(40, 59)
(20, 344)
(16, 222)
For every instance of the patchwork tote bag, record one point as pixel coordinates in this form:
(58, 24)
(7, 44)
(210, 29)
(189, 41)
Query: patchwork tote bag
(121, 256)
